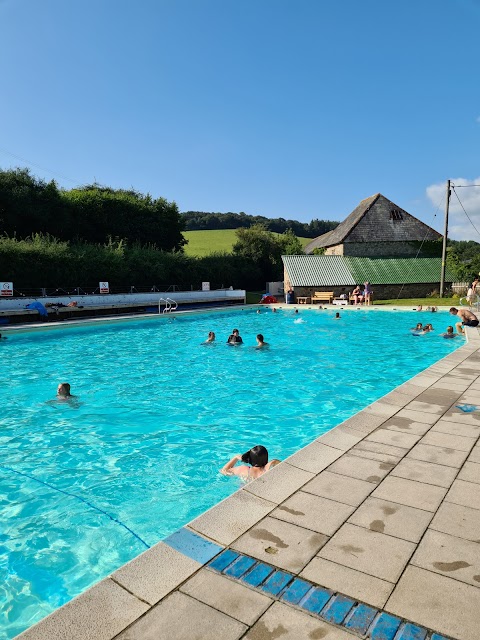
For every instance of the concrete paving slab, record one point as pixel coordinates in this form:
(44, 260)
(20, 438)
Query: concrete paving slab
(448, 606)
(373, 553)
(394, 438)
(405, 425)
(281, 544)
(457, 520)
(351, 582)
(339, 488)
(474, 455)
(443, 397)
(230, 518)
(392, 519)
(383, 409)
(315, 457)
(313, 512)
(449, 556)
(418, 416)
(470, 472)
(228, 596)
(447, 441)
(181, 617)
(371, 455)
(363, 423)
(100, 613)
(410, 493)
(426, 472)
(465, 493)
(361, 468)
(379, 447)
(456, 428)
(153, 574)
(438, 455)
(279, 483)
(282, 621)
(426, 407)
(339, 438)
(457, 415)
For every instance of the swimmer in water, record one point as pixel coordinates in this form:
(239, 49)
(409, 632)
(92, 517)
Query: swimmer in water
(1, 337)
(211, 337)
(337, 316)
(63, 390)
(235, 338)
(257, 458)
(260, 342)
(450, 333)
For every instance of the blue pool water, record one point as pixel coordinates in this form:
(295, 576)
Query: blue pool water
(84, 487)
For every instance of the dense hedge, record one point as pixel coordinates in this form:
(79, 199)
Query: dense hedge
(44, 261)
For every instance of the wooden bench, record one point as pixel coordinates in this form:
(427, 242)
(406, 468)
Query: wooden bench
(322, 296)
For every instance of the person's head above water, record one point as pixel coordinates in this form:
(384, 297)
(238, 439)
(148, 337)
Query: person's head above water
(257, 456)
(450, 329)
(63, 389)
(211, 336)
(235, 332)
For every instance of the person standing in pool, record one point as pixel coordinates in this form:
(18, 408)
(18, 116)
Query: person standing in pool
(257, 458)
(211, 337)
(235, 338)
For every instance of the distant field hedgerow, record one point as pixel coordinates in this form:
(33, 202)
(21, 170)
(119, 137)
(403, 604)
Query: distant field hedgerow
(204, 243)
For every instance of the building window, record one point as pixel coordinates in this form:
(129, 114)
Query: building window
(396, 214)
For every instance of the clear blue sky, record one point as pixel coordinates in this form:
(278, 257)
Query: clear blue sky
(283, 108)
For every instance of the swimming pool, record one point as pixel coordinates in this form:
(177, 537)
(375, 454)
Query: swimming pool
(84, 488)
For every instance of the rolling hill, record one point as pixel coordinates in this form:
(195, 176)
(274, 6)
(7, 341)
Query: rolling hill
(203, 243)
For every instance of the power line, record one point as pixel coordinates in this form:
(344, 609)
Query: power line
(465, 186)
(28, 162)
(456, 194)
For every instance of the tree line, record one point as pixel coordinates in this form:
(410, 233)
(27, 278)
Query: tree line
(91, 213)
(201, 220)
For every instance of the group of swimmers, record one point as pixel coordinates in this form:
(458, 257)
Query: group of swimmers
(468, 318)
(235, 339)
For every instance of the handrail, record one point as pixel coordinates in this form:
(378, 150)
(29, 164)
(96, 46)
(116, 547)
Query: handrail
(172, 302)
(169, 305)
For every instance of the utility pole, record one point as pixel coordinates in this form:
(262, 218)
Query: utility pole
(444, 246)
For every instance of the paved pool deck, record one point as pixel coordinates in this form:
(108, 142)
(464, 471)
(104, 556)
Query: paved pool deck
(372, 530)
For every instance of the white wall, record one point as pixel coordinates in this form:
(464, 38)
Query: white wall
(150, 299)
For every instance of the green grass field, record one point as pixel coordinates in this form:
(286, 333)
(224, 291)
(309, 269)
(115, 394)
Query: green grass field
(203, 243)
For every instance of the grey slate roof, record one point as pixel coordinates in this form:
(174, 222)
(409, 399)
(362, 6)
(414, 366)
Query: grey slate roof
(371, 221)
(317, 271)
(330, 271)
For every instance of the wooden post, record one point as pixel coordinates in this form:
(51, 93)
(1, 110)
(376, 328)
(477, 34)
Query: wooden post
(444, 246)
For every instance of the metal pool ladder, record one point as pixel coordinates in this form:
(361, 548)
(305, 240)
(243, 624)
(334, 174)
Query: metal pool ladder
(170, 305)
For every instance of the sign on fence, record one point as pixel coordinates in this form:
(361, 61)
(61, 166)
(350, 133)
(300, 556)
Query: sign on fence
(104, 288)
(7, 289)
(205, 286)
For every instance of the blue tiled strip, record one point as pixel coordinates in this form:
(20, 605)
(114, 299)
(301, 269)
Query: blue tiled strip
(193, 545)
(334, 608)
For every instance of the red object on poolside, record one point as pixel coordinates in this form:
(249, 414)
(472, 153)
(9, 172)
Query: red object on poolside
(268, 300)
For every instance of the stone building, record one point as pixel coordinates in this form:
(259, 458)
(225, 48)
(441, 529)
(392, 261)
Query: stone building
(379, 228)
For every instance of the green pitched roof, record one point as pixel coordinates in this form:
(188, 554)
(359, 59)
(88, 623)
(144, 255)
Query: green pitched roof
(317, 271)
(397, 270)
(329, 271)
